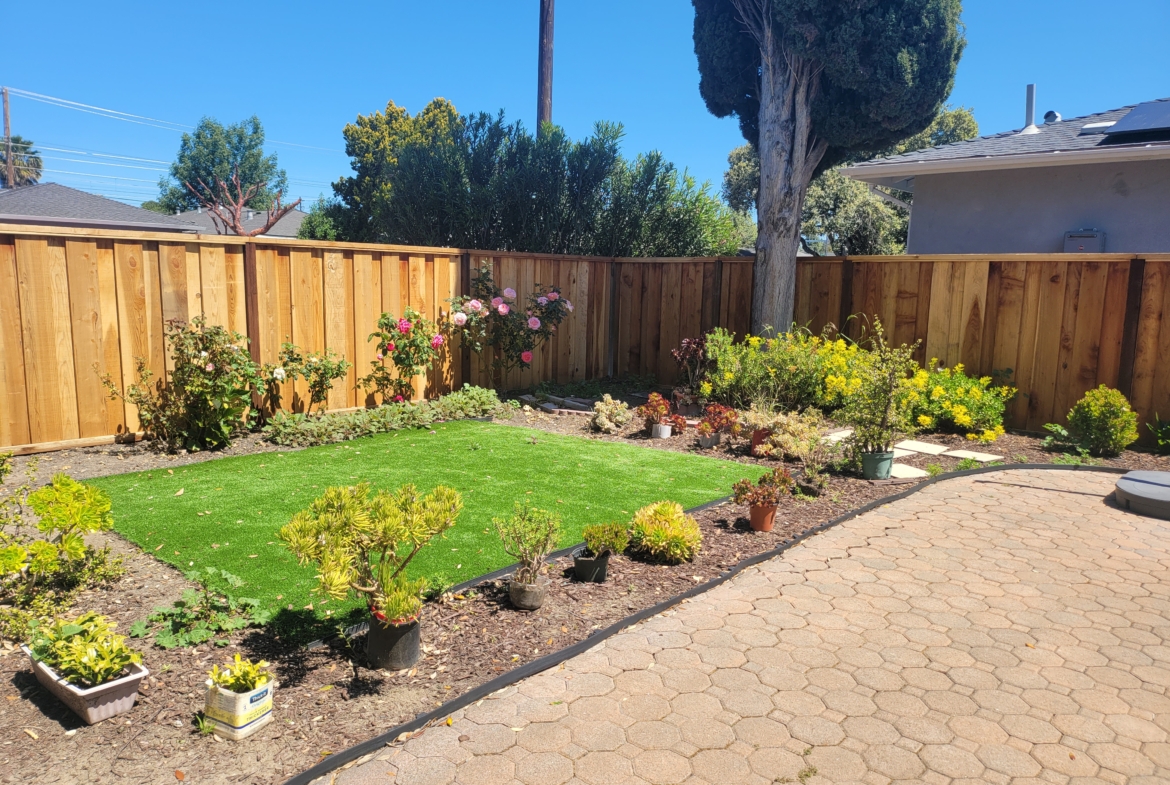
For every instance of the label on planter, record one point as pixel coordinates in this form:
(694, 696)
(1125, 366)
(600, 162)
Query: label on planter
(237, 710)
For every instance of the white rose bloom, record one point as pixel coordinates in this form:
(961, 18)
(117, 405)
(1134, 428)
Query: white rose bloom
(278, 374)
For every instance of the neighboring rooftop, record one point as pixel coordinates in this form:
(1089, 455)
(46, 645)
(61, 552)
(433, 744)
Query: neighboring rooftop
(1055, 142)
(253, 219)
(55, 204)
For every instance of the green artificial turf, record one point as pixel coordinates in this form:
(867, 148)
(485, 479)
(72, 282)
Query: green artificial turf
(229, 510)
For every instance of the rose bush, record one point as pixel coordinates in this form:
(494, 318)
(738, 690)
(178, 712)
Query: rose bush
(410, 343)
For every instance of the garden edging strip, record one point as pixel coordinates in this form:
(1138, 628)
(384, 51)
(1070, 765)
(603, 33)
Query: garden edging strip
(503, 681)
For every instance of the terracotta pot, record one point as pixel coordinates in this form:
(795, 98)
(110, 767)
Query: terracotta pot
(763, 517)
(759, 436)
(392, 647)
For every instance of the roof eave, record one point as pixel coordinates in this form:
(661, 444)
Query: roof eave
(45, 220)
(888, 173)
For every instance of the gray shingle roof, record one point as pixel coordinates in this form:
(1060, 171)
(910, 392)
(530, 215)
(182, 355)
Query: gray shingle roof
(1064, 136)
(285, 227)
(56, 203)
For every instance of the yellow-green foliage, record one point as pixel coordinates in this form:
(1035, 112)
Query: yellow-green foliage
(1103, 422)
(880, 408)
(663, 530)
(947, 398)
(793, 435)
(606, 538)
(84, 651)
(529, 536)
(609, 415)
(68, 511)
(362, 542)
(240, 675)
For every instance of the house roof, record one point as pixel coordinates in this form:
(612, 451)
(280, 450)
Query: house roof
(1059, 143)
(285, 227)
(53, 203)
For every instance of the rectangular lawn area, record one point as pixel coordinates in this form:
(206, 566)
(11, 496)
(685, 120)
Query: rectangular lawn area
(225, 513)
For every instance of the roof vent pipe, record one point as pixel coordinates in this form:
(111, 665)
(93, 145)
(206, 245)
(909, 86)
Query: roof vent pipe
(1030, 112)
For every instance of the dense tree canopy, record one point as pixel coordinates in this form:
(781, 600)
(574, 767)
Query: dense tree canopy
(813, 83)
(475, 181)
(26, 162)
(214, 153)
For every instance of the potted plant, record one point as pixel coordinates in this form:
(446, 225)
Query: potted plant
(691, 358)
(362, 544)
(719, 419)
(591, 561)
(759, 424)
(880, 409)
(239, 698)
(86, 666)
(529, 536)
(763, 496)
(659, 421)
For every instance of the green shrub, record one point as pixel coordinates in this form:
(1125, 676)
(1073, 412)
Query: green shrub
(664, 531)
(362, 543)
(1161, 431)
(792, 435)
(467, 403)
(879, 406)
(207, 394)
(948, 399)
(241, 675)
(610, 416)
(85, 651)
(606, 538)
(410, 343)
(1102, 423)
(529, 536)
(319, 370)
(201, 615)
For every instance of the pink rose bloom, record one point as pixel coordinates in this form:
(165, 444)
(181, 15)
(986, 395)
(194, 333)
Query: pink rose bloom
(209, 368)
(436, 342)
(569, 305)
(553, 328)
(554, 295)
(526, 357)
(389, 347)
(380, 356)
(497, 301)
(542, 300)
(398, 399)
(534, 323)
(510, 293)
(474, 305)
(503, 309)
(459, 318)
(404, 326)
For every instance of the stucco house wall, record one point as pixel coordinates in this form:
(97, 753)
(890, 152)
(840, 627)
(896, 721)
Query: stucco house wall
(1029, 210)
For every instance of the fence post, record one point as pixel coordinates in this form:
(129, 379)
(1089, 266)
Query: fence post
(464, 291)
(252, 301)
(846, 294)
(1133, 307)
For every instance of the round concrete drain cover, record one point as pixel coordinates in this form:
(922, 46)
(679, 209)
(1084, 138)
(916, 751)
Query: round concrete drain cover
(1146, 493)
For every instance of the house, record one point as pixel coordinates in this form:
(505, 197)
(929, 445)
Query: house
(252, 220)
(58, 205)
(1099, 183)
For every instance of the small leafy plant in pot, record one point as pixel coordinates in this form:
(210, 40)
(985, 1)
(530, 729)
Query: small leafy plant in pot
(591, 562)
(691, 358)
(529, 536)
(880, 408)
(717, 420)
(659, 421)
(239, 698)
(764, 496)
(86, 666)
(362, 543)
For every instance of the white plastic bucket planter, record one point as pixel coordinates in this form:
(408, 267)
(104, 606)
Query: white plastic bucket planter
(96, 703)
(237, 715)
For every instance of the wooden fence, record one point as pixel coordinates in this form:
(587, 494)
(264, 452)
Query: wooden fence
(76, 304)
(1053, 326)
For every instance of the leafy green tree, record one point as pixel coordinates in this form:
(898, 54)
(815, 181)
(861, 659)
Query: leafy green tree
(27, 164)
(741, 181)
(813, 82)
(318, 224)
(215, 153)
(445, 179)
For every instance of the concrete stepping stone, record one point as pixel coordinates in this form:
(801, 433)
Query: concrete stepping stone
(837, 436)
(982, 457)
(923, 447)
(900, 453)
(900, 471)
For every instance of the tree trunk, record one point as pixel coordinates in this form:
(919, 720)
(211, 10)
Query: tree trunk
(789, 155)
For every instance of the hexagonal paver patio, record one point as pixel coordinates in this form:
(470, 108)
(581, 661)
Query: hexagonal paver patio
(1001, 628)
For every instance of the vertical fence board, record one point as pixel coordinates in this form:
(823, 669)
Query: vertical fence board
(1086, 347)
(367, 303)
(1065, 373)
(213, 274)
(1149, 323)
(337, 321)
(14, 427)
(1112, 324)
(81, 261)
(669, 322)
(237, 306)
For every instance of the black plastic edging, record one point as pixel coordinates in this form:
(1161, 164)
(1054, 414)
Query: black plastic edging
(339, 759)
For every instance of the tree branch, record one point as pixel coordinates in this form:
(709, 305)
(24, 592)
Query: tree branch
(226, 208)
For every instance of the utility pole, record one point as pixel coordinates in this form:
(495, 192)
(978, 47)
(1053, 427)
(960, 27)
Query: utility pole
(544, 76)
(10, 165)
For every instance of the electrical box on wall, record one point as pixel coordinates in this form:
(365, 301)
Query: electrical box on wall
(1084, 241)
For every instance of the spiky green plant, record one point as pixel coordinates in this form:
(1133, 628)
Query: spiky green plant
(664, 531)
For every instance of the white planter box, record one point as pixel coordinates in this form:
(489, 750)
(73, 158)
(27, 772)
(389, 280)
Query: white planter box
(96, 703)
(237, 715)
(659, 431)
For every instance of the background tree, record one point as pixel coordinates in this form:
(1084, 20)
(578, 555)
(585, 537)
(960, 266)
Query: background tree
(214, 153)
(318, 224)
(26, 161)
(445, 179)
(811, 84)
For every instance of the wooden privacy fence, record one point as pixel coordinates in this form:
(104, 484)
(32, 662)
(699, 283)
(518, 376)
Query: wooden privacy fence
(1053, 326)
(79, 303)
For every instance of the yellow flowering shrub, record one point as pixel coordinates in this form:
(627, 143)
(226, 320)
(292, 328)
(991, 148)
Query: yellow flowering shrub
(949, 399)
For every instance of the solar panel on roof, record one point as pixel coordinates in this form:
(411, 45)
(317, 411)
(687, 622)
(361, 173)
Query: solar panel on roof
(1150, 116)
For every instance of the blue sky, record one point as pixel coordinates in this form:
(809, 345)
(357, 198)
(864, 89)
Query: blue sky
(308, 68)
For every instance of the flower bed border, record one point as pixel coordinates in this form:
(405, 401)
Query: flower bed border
(339, 759)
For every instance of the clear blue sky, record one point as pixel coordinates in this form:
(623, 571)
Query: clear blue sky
(308, 68)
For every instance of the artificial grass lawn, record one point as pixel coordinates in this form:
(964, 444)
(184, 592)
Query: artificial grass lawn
(229, 510)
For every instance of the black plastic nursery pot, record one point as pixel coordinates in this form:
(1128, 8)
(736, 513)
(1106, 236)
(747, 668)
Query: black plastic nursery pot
(590, 569)
(392, 647)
